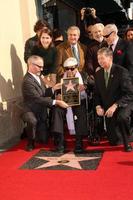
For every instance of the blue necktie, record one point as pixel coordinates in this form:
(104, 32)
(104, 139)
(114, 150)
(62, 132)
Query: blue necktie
(75, 53)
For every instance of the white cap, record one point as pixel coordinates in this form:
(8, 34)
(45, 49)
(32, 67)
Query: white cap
(70, 62)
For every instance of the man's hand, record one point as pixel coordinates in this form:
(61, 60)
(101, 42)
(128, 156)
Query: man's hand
(81, 87)
(82, 12)
(111, 110)
(99, 111)
(57, 86)
(62, 104)
(93, 13)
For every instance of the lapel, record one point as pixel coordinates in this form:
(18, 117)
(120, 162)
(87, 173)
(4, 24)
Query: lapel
(80, 51)
(118, 46)
(101, 81)
(111, 78)
(68, 50)
(42, 87)
(81, 55)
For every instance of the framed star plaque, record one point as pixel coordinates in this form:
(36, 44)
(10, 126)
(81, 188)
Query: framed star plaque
(69, 91)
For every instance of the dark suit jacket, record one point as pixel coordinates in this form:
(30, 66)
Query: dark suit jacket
(123, 54)
(36, 97)
(119, 89)
(29, 45)
(91, 57)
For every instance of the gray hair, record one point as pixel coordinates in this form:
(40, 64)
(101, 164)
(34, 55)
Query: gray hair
(111, 27)
(97, 25)
(105, 50)
(34, 58)
(71, 28)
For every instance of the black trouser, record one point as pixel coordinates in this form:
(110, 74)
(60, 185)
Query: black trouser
(119, 122)
(36, 126)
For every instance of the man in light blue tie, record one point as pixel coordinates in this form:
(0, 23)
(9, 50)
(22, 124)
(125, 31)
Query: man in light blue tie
(71, 48)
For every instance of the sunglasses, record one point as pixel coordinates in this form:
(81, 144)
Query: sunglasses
(37, 65)
(106, 36)
(69, 68)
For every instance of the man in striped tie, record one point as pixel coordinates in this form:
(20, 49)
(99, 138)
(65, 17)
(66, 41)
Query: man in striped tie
(71, 48)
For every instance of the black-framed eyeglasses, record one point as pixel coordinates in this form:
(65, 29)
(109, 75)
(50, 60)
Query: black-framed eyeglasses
(106, 36)
(37, 65)
(69, 68)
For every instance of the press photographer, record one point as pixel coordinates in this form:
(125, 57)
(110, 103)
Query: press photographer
(88, 19)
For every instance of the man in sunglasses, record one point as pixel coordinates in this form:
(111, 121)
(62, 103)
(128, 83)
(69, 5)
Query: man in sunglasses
(122, 50)
(76, 115)
(36, 99)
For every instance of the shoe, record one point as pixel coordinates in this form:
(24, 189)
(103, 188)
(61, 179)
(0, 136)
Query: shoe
(60, 149)
(79, 150)
(30, 146)
(128, 148)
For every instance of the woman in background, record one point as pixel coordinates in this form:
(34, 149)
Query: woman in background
(48, 52)
(129, 34)
(31, 42)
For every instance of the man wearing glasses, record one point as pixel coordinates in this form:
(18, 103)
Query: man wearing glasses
(76, 115)
(122, 50)
(36, 99)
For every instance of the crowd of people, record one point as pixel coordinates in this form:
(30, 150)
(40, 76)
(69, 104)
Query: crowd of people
(101, 60)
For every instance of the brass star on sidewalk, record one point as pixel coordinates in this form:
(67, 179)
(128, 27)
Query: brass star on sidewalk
(68, 159)
(70, 86)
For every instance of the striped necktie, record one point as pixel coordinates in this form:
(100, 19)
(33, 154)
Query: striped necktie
(75, 53)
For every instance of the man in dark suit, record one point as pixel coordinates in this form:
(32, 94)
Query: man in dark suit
(76, 115)
(113, 97)
(91, 57)
(36, 99)
(122, 49)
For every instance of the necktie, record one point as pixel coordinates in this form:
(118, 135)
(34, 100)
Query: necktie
(75, 53)
(106, 77)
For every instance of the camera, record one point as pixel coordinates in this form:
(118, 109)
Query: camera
(88, 12)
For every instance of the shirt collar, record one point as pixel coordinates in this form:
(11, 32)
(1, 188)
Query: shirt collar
(36, 77)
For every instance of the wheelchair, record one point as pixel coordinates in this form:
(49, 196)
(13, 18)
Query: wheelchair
(95, 124)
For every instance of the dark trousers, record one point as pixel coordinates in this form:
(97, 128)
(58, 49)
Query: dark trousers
(58, 121)
(36, 127)
(119, 123)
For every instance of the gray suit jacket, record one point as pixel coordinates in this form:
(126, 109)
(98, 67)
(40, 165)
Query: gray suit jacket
(36, 97)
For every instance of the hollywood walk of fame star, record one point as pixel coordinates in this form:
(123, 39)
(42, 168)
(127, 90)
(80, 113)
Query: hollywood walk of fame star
(70, 86)
(68, 159)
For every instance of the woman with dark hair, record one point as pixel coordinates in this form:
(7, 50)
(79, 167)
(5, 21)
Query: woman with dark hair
(129, 34)
(31, 42)
(45, 48)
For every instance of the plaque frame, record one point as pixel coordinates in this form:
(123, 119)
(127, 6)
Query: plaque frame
(69, 91)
